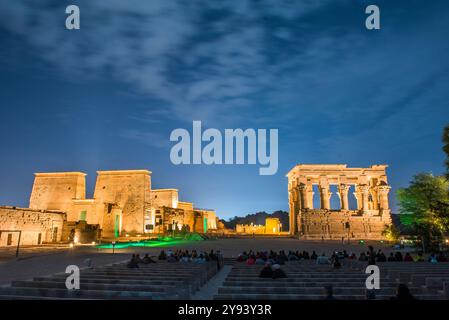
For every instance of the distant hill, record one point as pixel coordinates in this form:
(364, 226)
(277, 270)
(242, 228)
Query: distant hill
(258, 218)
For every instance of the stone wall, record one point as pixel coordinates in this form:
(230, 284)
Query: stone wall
(328, 224)
(250, 228)
(165, 198)
(37, 226)
(189, 218)
(55, 191)
(210, 216)
(123, 194)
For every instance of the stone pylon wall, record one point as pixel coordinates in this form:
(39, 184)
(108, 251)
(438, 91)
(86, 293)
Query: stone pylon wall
(125, 194)
(56, 191)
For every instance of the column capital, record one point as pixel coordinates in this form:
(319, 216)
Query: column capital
(302, 186)
(364, 188)
(343, 187)
(384, 188)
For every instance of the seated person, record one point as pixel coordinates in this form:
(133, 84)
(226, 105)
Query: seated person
(292, 256)
(242, 257)
(399, 256)
(329, 292)
(172, 258)
(133, 262)
(146, 259)
(363, 257)
(408, 257)
(138, 259)
(280, 259)
(162, 255)
(403, 293)
(381, 257)
(336, 263)
(419, 257)
(266, 272)
(305, 255)
(251, 260)
(433, 258)
(441, 257)
(322, 259)
(391, 258)
(278, 272)
(314, 255)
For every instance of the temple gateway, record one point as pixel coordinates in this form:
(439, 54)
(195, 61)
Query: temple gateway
(367, 220)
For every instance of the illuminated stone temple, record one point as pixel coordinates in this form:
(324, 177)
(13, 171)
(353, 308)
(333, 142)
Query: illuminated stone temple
(272, 226)
(369, 187)
(123, 204)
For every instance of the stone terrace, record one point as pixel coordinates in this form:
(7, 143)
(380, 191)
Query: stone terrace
(306, 280)
(161, 280)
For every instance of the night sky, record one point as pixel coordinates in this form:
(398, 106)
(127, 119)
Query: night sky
(108, 95)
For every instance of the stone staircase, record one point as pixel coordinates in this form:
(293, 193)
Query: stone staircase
(306, 281)
(162, 280)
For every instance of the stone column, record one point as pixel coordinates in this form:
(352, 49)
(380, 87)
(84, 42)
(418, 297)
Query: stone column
(303, 196)
(309, 192)
(358, 197)
(293, 210)
(364, 194)
(383, 197)
(325, 197)
(343, 190)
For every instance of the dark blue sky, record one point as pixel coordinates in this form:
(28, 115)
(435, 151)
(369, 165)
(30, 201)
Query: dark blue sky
(108, 95)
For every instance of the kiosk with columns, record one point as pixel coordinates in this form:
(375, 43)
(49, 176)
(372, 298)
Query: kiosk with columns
(366, 221)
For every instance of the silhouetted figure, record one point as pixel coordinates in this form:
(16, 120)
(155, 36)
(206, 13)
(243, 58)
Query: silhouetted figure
(363, 257)
(403, 293)
(133, 262)
(391, 258)
(266, 272)
(408, 257)
(336, 263)
(371, 256)
(322, 259)
(147, 259)
(138, 259)
(370, 294)
(162, 255)
(278, 272)
(329, 292)
(398, 256)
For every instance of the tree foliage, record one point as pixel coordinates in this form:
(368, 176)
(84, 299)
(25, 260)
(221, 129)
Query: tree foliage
(446, 148)
(391, 232)
(427, 201)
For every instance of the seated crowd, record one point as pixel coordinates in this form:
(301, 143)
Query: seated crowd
(178, 256)
(262, 257)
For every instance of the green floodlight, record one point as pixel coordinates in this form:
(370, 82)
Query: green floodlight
(362, 242)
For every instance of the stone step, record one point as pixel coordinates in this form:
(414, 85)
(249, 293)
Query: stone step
(75, 294)
(311, 290)
(304, 279)
(94, 286)
(112, 281)
(301, 284)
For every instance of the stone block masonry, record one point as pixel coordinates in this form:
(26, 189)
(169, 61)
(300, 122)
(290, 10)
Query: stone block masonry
(37, 226)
